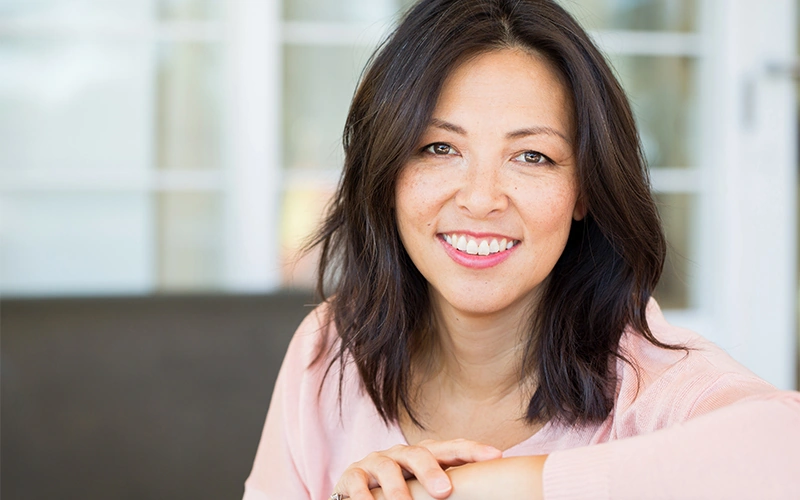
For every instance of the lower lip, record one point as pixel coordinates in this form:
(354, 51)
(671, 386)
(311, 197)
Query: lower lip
(476, 261)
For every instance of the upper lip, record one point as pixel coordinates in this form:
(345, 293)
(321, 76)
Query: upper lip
(478, 235)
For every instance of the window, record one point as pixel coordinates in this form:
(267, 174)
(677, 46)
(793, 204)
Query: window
(191, 145)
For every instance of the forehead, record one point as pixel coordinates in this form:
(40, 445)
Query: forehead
(514, 86)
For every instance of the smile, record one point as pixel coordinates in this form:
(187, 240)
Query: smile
(477, 246)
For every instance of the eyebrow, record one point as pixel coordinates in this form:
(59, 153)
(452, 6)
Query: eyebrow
(516, 134)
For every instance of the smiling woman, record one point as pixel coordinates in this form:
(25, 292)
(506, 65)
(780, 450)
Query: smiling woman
(488, 177)
(492, 250)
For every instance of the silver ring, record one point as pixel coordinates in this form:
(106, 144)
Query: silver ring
(336, 496)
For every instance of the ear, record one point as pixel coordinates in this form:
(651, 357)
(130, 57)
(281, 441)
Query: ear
(580, 209)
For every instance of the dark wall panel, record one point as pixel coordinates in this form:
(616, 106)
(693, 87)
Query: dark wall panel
(131, 398)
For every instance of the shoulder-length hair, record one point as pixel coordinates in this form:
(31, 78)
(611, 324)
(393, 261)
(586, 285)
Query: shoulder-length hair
(601, 284)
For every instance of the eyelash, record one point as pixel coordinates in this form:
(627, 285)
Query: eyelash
(429, 149)
(544, 160)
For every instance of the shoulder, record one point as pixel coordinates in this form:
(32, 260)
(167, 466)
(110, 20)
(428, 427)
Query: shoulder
(312, 341)
(307, 375)
(659, 387)
(329, 422)
(321, 384)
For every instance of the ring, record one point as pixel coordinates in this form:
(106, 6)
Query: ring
(336, 496)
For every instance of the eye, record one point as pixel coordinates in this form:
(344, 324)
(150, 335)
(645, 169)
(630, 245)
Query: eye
(534, 157)
(439, 149)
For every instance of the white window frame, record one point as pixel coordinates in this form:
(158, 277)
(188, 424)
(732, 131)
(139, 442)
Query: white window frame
(746, 289)
(254, 176)
(750, 298)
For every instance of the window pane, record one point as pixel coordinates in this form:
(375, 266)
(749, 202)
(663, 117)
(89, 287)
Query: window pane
(190, 10)
(190, 241)
(66, 11)
(301, 212)
(656, 15)
(75, 105)
(663, 94)
(67, 243)
(678, 213)
(347, 11)
(189, 123)
(318, 84)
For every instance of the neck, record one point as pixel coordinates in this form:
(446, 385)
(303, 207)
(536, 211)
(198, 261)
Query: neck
(479, 355)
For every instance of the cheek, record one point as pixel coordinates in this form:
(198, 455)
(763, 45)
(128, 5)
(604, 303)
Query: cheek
(418, 196)
(404, 202)
(551, 211)
(410, 206)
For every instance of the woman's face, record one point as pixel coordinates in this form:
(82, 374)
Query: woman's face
(484, 206)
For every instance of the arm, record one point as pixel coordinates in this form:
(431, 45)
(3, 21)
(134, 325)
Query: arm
(274, 471)
(750, 449)
(278, 466)
(518, 477)
(384, 474)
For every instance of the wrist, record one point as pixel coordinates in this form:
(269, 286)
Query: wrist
(515, 477)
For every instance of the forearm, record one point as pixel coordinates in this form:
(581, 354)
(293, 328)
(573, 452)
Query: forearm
(517, 477)
(742, 451)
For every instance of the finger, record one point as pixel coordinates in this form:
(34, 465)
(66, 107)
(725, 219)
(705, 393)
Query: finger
(460, 451)
(420, 462)
(428, 459)
(391, 478)
(376, 470)
(355, 484)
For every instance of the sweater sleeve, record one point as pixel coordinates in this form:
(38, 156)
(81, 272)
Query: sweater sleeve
(748, 449)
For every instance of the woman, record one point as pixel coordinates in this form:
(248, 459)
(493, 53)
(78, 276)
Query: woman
(492, 250)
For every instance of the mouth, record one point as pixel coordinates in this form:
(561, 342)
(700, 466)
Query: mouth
(471, 245)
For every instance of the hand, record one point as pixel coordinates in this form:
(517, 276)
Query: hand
(518, 477)
(426, 461)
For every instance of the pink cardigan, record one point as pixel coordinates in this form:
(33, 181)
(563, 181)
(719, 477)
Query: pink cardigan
(696, 425)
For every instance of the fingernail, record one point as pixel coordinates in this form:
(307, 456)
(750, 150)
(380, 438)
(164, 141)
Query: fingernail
(441, 485)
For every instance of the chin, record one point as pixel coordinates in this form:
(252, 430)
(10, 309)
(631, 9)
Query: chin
(477, 304)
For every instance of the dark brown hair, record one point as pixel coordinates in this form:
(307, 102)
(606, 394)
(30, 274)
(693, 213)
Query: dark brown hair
(379, 302)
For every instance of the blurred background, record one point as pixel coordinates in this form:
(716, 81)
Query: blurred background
(162, 161)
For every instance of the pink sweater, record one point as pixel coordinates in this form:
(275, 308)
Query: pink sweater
(697, 425)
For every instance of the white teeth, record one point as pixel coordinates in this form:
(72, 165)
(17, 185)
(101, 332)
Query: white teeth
(473, 247)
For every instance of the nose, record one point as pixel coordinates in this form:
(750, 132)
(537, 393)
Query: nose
(481, 193)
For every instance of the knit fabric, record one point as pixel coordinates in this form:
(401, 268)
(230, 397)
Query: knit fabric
(685, 424)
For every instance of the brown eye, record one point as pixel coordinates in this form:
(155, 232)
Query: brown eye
(440, 148)
(533, 157)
